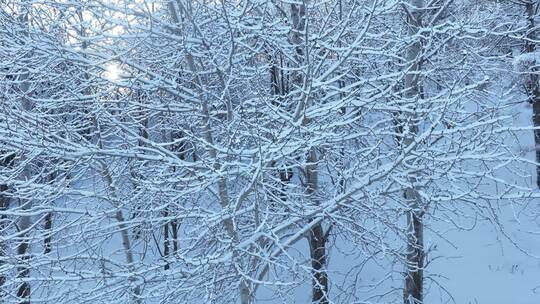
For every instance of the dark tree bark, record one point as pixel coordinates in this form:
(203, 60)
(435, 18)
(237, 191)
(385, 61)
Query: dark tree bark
(23, 292)
(47, 241)
(6, 160)
(317, 244)
(48, 233)
(166, 242)
(317, 239)
(23, 271)
(533, 89)
(174, 227)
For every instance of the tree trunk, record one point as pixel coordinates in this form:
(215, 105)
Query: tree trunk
(317, 239)
(414, 278)
(4, 205)
(48, 233)
(533, 89)
(174, 227)
(23, 271)
(414, 273)
(47, 241)
(166, 241)
(6, 160)
(317, 244)
(122, 227)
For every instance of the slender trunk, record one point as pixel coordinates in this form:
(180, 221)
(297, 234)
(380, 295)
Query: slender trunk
(5, 162)
(124, 231)
(47, 241)
(181, 150)
(166, 245)
(23, 271)
(4, 204)
(278, 90)
(533, 88)
(414, 278)
(23, 225)
(414, 273)
(317, 239)
(129, 253)
(536, 122)
(48, 233)
(174, 227)
(317, 244)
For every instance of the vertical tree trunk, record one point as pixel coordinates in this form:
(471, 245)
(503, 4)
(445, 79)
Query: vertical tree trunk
(122, 227)
(48, 233)
(181, 151)
(4, 204)
(317, 239)
(174, 227)
(414, 273)
(533, 89)
(23, 292)
(414, 277)
(47, 241)
(317, 244)
(23, 271)
(166, 241)
(278, 90)
(6, 159)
